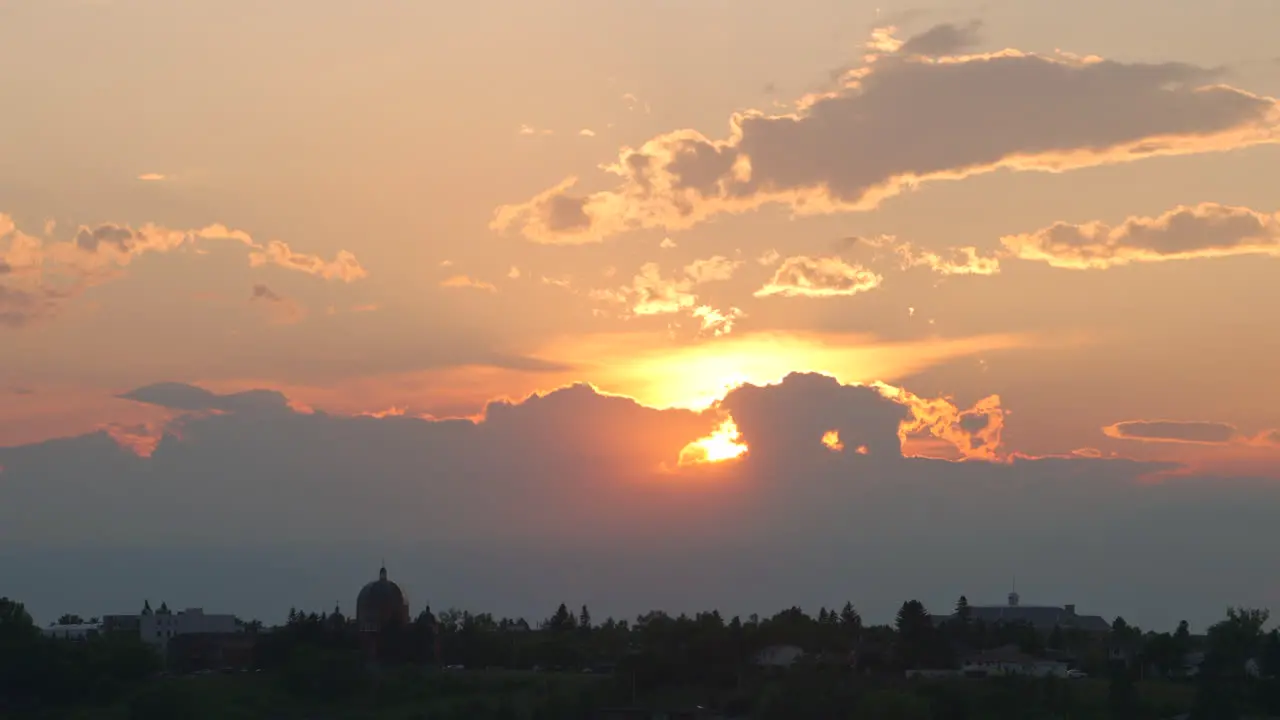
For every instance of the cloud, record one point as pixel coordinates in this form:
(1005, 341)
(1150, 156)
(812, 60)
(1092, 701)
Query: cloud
(190, 398)
(153, 177)
(634, 103)
(667, 243)
(815, 277)
(1207, 230)
(974, 433)
(514, 273)
(943, 40)
(649, 293)
(41, 274)
(557, 496)
(899, 121)
(530, 130)
(343, 267)
(711, 269)
(953, 261)
(587, 132)
(280, 309)
(717, 322)
(465, 281)
(1189, 431)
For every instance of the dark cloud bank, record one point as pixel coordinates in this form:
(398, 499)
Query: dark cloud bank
(250, 507)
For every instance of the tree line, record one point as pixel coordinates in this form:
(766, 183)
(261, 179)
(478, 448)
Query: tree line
(318, 654)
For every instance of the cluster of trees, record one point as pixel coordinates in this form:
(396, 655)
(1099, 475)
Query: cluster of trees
(41, 672)
(708, 651)
(321, 655)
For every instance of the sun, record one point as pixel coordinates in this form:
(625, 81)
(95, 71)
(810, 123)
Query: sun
(724, 443)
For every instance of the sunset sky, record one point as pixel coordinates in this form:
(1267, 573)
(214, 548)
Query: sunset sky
(505, 292)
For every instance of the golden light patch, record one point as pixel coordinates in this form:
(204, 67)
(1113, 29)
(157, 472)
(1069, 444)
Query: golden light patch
(662, 373)
(724, 443)
(831, 439)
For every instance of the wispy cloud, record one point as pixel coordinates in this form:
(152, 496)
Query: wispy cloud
(41, 274)
(1207, 230)
(279, 309)
(466, 281)
(818, 277)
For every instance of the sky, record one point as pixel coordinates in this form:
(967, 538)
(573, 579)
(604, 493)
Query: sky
(642, 305)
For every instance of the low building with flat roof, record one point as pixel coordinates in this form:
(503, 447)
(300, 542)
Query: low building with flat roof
(1042, 617)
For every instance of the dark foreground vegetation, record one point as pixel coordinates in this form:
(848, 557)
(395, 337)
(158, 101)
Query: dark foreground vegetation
(461, 666)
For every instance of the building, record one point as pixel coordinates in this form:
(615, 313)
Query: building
(1010, 661)
(1041, 617)
(130, 624)
(381, 606)
(79, 632)
(159, 627)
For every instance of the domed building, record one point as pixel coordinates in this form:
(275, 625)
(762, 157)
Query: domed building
(381, 605)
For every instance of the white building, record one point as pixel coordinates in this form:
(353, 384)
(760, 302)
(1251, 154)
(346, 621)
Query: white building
(158, 627)
(1008, 661)
(779, 656)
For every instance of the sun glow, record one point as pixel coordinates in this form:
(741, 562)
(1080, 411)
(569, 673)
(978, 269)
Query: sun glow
(724, 443)
(663, 373)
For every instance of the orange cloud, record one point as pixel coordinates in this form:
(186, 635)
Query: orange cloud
(901, 120)
(724, 443)
(815, 277)
(39, 413)
(717, 322)
(465, 281)
(343, 267)
(1207, 230)
(37, 275)
(975, 433)
(652, 294)
(831, 439)
(954, 261)
(141, 440)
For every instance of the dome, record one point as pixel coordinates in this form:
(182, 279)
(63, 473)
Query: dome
(381, 603)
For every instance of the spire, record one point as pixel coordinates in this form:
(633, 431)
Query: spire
(1013, 595)
(382, 573)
